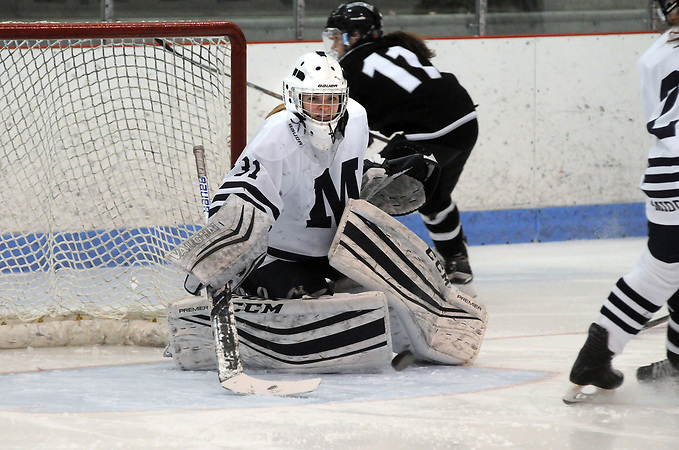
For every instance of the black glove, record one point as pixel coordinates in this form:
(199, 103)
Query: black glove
(418, 167)
(399, 146)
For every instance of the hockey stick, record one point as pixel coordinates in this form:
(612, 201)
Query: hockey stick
(223, 320)
(166, 46)
(656, 322)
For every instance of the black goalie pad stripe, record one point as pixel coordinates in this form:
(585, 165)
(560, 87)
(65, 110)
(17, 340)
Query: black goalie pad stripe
(344, 332)
(380, 256)
(332, 334)
(198, 319)
(359, 339)
(306, 328)
(403, 283)
(305, 360)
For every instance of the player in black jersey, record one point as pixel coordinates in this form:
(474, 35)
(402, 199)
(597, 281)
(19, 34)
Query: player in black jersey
(426, 110)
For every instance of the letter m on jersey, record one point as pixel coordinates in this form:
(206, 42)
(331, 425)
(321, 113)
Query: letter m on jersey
(325, 191)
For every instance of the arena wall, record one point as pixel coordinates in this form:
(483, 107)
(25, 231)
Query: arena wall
(562, 142)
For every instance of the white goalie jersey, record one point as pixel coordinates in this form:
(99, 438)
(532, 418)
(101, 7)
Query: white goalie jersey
(305, 209)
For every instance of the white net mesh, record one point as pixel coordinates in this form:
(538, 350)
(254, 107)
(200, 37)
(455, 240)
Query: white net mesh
(97, 174)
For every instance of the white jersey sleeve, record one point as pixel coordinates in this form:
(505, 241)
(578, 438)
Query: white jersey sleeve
(659, 69)
(305, 200)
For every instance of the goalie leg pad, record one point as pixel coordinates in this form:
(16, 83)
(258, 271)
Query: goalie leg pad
(329, 334)
(190, 334)
(443, 325)
(228, 248)
(345, 332)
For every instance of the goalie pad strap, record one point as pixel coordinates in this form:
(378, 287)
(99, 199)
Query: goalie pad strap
(330, 334)
(442, 324)
(228, 248)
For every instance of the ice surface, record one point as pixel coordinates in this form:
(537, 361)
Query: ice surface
(541, 299)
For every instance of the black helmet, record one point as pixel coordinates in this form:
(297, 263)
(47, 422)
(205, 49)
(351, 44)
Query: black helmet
(357, 16)
(667, 5)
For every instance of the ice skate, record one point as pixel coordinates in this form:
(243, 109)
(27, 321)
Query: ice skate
(460, 273)
(658, 372)
(458, 269)
(593, 368)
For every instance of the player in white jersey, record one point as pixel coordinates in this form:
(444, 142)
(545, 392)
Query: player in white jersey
(654, 281)
(303, 165)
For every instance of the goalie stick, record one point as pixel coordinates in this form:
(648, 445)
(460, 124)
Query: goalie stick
(229, 364)
(166, 46)
(656, 322)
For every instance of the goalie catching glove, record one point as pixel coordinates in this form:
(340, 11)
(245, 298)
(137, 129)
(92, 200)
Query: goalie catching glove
(400, 186)
(228, 248)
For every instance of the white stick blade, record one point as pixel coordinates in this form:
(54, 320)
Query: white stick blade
(245, 384)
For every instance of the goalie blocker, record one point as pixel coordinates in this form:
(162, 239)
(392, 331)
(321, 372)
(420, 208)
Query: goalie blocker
(228, 248)
(438, 323)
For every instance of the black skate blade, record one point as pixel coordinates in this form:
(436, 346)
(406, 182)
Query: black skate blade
(587, 394)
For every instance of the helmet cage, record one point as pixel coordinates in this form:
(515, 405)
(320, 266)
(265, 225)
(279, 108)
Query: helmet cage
(317, 93)
(320, 105)
(317, 89)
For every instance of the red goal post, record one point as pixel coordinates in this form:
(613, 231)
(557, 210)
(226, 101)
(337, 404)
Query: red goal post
(98, 125)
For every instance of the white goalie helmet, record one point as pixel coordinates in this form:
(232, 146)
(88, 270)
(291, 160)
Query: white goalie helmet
(317, 93)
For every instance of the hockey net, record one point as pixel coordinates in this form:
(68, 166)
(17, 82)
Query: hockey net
(97, 174)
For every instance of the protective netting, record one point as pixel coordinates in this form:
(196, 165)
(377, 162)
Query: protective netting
(97, 174)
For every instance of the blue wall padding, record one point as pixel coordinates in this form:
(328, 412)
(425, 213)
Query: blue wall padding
(108, 248)
(512, 226)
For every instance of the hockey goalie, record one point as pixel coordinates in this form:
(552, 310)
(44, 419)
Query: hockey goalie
(322, 278)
